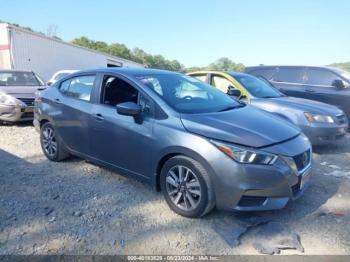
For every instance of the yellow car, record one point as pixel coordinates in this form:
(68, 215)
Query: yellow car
(322, 123)
(224, 81)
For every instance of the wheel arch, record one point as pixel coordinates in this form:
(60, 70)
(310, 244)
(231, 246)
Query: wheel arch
(172, 152)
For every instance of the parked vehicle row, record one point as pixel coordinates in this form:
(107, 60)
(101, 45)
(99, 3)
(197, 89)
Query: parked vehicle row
(320, 122)
(207, 139)
(197, 145)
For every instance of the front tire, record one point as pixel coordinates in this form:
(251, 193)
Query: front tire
(186, 187)
(51, 143)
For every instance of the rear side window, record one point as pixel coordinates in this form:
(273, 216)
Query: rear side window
(321, 77)
(265, 73)
(289, 75)
(79, 87)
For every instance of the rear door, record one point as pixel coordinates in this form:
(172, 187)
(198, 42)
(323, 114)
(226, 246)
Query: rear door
(72, 111)
(290, 80)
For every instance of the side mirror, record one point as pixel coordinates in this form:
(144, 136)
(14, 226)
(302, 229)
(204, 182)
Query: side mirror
(129, 109)
(233, 92)
(338, 84)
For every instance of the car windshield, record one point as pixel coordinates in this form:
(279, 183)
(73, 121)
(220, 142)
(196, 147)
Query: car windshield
(188, 95)
(60, 75)
(257, 87)
(19, 79)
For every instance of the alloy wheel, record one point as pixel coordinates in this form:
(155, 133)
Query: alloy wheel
(49, 141)
(183, 187)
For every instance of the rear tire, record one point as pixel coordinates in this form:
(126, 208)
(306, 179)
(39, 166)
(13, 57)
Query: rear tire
(52, 144)
(186, 187)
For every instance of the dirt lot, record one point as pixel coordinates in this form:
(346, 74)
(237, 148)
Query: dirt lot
(74, 207)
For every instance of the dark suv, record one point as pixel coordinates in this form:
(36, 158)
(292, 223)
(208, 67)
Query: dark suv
(323, 84)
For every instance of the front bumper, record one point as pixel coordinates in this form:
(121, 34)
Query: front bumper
(323, 134)
(16, 113)
(249, 187)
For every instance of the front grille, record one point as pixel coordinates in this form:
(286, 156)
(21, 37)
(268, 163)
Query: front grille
(302, 160)
(296, 188)
(341, 119)
(27, 101)
(250, 201)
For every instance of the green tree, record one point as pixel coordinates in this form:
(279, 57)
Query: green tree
(119, 50)
(226, 64)
(344, 66)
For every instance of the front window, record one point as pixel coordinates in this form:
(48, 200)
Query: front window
(256, 87)
(321, 77)
(186, 94)
(19, 79)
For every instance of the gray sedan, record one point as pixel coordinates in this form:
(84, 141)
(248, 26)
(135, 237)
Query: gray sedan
(17, 93)
(194, 143)
(320, 122)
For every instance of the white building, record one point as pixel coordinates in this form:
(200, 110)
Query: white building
(26, 50)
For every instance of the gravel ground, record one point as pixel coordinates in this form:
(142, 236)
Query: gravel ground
(74, 207)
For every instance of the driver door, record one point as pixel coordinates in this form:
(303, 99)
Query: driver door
(117, 140)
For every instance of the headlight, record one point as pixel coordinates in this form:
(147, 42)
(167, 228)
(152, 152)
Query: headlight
(312, 118)
(246, 156)
(291, 163)
(8, 100)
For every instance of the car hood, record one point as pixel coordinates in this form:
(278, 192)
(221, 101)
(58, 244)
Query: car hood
(247, 126)
(20, 91)
(305, 105)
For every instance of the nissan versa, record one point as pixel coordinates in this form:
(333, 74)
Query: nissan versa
(321, 123)
(17, 93)
(191, 141)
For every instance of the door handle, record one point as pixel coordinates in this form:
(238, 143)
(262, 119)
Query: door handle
(99, 117)
(57, 101)
(309, 90)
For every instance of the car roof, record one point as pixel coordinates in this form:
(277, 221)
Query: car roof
(232, 73)
(289, 66)
(15, 71)
(126, 71)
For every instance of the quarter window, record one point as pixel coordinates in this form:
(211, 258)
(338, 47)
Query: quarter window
(221, 83)
(321, 77)
(78, 87)
(289, 75)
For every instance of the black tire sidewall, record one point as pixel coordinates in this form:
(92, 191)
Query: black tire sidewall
(190, 163)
